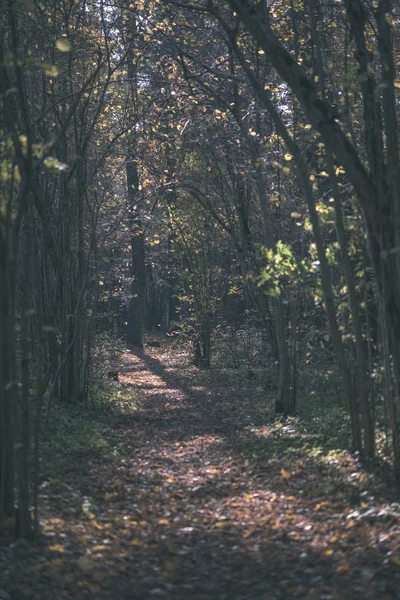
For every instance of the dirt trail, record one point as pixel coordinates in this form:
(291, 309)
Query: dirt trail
(204, 497)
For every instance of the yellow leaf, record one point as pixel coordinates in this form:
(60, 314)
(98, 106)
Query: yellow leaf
(137, 542)
(342, 569)
(285, 474)
(51, 70)
(250, 532)
(288, 157)
(63, 44)
(99, 548)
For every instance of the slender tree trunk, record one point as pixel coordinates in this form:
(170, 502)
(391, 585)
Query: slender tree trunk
(283, 401)
(361, 362)
(23, 446)
(136, 305)
(390, 391)
(6, 394)
(138, 266)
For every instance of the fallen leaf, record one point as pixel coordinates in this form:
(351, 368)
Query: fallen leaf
(342, 569)
(56, 548)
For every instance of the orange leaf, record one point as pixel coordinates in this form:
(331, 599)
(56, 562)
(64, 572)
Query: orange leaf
(321, 505)
(56, 548)
(350, 524)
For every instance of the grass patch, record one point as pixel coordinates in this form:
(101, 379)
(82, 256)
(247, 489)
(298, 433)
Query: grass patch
(81, 435)
(321, 431)
(72, 438)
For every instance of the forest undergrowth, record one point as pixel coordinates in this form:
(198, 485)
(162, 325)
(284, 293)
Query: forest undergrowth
(179, 483)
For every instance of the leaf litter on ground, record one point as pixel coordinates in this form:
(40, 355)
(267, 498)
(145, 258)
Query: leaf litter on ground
(183, 485)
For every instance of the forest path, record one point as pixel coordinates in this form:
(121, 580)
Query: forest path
(203, 496)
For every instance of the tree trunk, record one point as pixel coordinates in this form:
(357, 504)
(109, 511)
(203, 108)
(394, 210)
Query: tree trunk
(138, 266)
(361, 362)
(7, 394)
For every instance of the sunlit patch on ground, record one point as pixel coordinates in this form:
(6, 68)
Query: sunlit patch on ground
(261, 431)
(142, 378)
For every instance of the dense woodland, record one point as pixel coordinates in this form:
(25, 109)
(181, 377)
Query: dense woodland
(220, 175)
